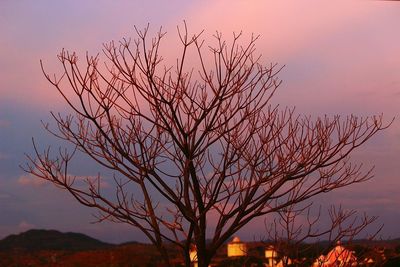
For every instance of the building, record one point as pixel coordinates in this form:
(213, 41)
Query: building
(236, 248)
(339, 256)
(271, 256)
(193, 256)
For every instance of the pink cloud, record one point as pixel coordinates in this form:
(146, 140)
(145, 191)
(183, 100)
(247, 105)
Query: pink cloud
(5, 196)
(3, 156)
(24, 226)
(285, 27)
(4, 123)
(81, 179)
(288, 30)
(29, 180)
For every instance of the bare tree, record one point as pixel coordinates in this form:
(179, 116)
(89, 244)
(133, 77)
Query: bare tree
(196, 144)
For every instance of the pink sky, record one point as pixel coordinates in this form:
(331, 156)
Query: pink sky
(341, 57)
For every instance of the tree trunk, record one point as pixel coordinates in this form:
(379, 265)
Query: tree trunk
(186, 258)
(204, 258)
(164, 256)
(204, 262)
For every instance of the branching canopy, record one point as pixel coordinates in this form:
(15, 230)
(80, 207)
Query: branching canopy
(197, 143)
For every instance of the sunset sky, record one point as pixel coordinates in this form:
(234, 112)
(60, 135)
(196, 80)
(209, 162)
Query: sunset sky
(340, 57)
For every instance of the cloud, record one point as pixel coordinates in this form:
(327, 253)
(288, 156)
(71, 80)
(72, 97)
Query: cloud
(4, 156)
(4, 196)
(29, 180)
(103, 183)
(284, 29)
(24, 225)
(4, 123)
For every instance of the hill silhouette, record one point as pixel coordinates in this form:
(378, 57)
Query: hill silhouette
(49, 248)
(34, 240)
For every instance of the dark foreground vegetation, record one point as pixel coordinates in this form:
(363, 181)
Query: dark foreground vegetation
(53, 248)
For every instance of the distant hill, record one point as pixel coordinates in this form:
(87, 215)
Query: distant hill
(34, 240)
